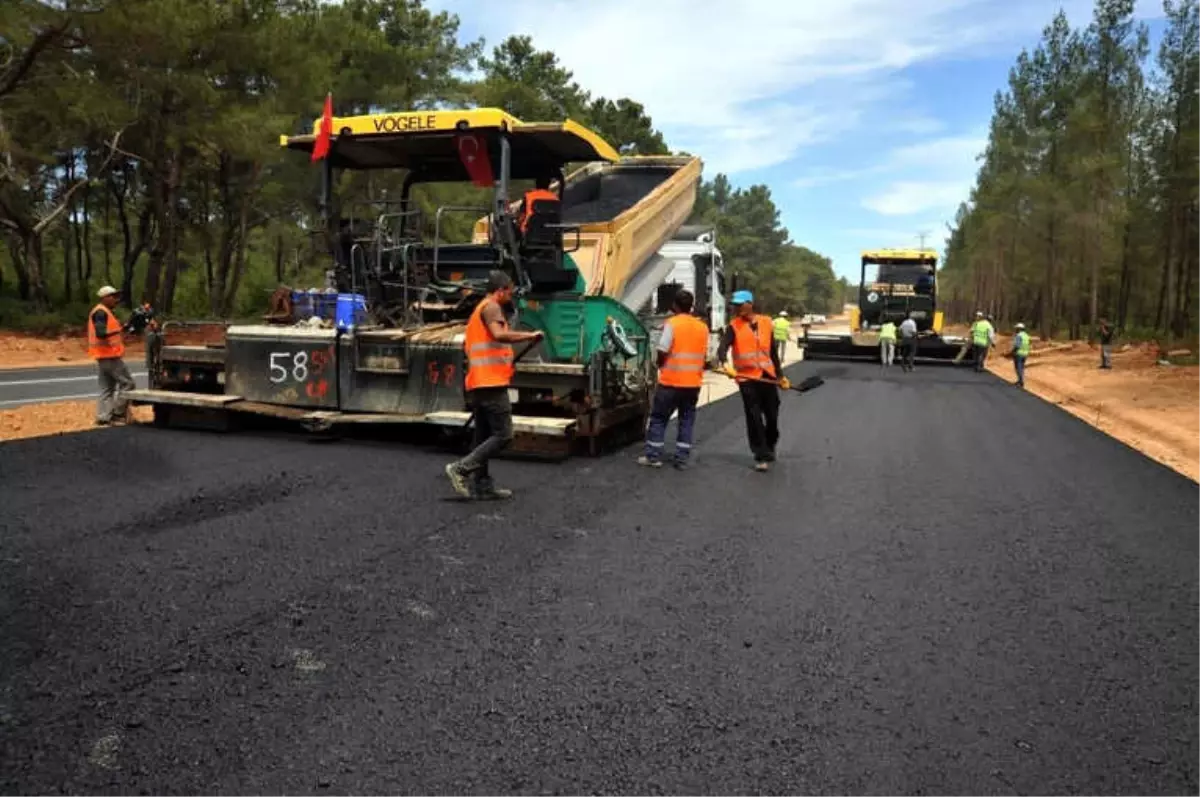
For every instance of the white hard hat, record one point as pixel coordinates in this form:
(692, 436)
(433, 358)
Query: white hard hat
(1019, 325)
(979, 314)
(107, 290)
(783, 313)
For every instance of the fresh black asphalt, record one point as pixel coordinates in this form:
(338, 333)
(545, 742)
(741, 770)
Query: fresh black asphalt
(946, 586)
(20, 386)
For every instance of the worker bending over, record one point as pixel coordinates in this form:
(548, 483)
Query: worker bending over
(782, 326)
(490, 366)
(983, 337)
(107, 347)
(1020, 352)
(887, 344)
(682, 350)
(759, 374)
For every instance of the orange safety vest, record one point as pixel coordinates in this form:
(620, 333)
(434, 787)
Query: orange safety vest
(104, 348)
(489, 362)
(684, 366)
(536, 195)
(751, 350)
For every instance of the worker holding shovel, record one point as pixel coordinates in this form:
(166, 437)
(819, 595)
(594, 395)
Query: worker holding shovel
(759, 374)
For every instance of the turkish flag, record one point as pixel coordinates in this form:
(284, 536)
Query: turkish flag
(321, 146)
(472, 151)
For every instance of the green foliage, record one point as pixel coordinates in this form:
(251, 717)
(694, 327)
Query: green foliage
(1085, 205)
(139, 139)
(782, 275)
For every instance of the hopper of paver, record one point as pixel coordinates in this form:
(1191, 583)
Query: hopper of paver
(625, 212)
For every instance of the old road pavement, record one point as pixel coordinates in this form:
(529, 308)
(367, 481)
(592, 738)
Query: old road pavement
(57, 383)
(946, 586)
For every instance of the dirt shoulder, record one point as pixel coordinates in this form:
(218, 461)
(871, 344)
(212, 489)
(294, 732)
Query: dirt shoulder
(27, 351)
(62, 417)
(1153, 408)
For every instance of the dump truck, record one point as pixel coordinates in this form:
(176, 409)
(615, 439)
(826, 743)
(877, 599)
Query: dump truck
(689, 261)
(390, 352)
(894, 284)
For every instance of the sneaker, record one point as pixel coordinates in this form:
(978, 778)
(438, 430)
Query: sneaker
(493, 494)
(457, 480)
(645, 461)
(762, 467)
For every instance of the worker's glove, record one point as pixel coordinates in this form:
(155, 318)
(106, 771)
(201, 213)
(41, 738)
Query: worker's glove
(785, 383)
(728, 371)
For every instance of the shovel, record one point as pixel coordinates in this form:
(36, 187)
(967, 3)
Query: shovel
(808, 383)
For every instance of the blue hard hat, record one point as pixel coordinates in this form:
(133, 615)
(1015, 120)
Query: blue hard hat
(741, 297)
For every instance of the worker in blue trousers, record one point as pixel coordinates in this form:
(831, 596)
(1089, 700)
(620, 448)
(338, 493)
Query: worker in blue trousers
(1020, 352)
(682, 350)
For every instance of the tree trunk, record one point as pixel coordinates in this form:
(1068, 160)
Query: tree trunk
(85, 244)
(1126, 276)
(279, 258)
(106, 237)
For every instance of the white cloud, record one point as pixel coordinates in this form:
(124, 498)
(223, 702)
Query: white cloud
(748, 84)
(910, 197)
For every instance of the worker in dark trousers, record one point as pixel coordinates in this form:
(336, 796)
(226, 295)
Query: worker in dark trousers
(490, 368)
(759, 374)
(1106, 333)
(983, 337)
(682, 350)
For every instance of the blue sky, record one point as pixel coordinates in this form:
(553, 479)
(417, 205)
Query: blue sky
(864, 117)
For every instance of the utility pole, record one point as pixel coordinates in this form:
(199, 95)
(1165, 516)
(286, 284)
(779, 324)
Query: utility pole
(923, 236)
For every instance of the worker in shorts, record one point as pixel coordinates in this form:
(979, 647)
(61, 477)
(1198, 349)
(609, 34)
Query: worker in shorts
(759, 375)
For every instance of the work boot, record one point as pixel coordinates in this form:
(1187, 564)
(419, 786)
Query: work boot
(645, 461)
(682, 464)
(485, 489)
(492, 494)
(458, 480)
(769, 456)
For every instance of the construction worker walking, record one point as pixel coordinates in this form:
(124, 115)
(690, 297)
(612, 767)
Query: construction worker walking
(782, 327)
(759, 374)
(1020, 352)
(682, 350)
(887, 344)
(1106, 333)
(107, 347)
(490, 367)
(983, 337)
(909, 342)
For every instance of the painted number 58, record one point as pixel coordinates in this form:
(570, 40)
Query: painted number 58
(282, 362)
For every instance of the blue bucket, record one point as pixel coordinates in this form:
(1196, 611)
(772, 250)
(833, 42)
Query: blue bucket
(351, 310)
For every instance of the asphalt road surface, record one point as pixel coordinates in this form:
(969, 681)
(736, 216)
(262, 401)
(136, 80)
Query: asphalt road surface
(58, 383)
(946, 586)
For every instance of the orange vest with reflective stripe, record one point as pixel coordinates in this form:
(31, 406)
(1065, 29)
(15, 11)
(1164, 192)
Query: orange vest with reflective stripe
(489, 362)
(536, 195)
(684, 366)
(104, 348)
(751, 350)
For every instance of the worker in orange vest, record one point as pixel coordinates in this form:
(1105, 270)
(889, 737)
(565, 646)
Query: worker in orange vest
(490, 368)
(539, 193)
(759, 374)
(107, 347)
(682, 352)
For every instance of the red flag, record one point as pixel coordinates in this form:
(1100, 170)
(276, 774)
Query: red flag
(472, 151)
(321, 146)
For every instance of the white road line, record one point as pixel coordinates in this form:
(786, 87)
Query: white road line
(46, 399)
(92, 377)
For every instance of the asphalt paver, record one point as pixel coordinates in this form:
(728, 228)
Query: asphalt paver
(944, 586)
